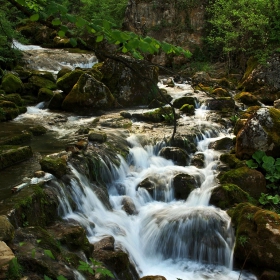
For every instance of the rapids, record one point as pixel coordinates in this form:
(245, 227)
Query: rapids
(179, 239)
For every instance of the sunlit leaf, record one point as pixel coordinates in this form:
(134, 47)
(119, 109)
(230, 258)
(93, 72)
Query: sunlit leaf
(34, 17)
(61, 33)
(73, 42)
(99, 38)
(56, 21)
(49, 254)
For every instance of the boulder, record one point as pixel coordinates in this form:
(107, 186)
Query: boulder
(97, 136)
(263, 81)
(88, 96)
(179, 102)
(183, 185)
(220, 92)
(11, 155)
(132, 82)
(177, 155)
(220, 103)
(68, 80)
(56, 101)
(7, 230)
(198, 160)
(187, 109)
(261, 132)
(12, 83)
(36, 82)
(45, 94)
(257, 236)
(225, 143)
(8, 110)
(128, 205)
(153, 277)
(6, 254)
(228, 195)
(54, 165)
(247, 98)
(249, 180)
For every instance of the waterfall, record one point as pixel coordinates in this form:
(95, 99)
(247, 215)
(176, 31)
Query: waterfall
(184, 239)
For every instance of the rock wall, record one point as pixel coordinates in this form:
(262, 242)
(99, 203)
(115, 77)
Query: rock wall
(180, 22)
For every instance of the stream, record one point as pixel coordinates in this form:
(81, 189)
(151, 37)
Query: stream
(178, 239)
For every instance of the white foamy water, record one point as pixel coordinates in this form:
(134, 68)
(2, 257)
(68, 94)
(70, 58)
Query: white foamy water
(186, 239)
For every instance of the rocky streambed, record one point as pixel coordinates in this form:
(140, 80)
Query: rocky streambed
(112, 185)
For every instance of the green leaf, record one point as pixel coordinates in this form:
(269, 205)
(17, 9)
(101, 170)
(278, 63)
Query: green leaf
(276, 199)
(38, 241)
(21, 243)
(124, 49)
(61, 33)
(258, 155)
(80, 22)
(21, 2)
(73, 42)
(70, 18)
(252, 164)
(34, 17)
(33, 253)
(106, 24)
(85, 267)
(104, 272)
(56, 22)
(49, 254)
(99, 38)
(47, 278)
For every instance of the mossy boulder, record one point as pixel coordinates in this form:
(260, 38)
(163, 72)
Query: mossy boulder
(73, 236)
(179, 102)
(153, 277)
(187, 109)
(45, 94)
(198, 160)
(183, 185)
(226, 196)
(157, 115)
(97, 136)
(35, 83)
(56, 101)
(12, 83)
(249, 180)
(124, 81)
(220, 92)
(62, 72)
(54, 165)
(13, 97)
(88, 96)
(37, 130)
(7, 230)
(44, 74)
(257, 236)
(261, 132)
(8, 110)
(220, 103)
(68, 80)
(19, 139)
(32, 206)
(225, 143)
(231, 160)
(177, 155)
(247, 98)
(10, 155)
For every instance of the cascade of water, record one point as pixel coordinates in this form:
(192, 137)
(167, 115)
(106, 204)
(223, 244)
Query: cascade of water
(177, 239)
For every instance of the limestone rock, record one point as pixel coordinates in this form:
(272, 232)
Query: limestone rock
(6, 229)
(6, 254)
(178, 155)
(261, 132)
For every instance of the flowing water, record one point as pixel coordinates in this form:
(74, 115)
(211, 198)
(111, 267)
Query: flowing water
(179, 239)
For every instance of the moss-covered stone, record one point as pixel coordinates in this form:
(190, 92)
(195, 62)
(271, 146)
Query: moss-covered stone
(56, 101)
(8, 110)
(7, 230)
(183, 185)
(226, 196)
(231, 160)
(13, 97)
(249, 180)
(37, 130)
(257, 236)
(187, 109)
(177, 155)
(12, 83)
(44, 74)
(220, 92)
(55, 166)
(179, 102)
(225, 143)
(97, 136)
(88, 96)
(67, 81)
(247, 98)
(12, 155)
(45, 94)
(63, 71)
(18, 139)
(38, 82)
(220, 103)
(32, 206)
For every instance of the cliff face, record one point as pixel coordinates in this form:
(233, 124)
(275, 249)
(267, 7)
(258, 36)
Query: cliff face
(180, 22)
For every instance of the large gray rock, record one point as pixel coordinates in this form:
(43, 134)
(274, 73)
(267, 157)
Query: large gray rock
(261, 132)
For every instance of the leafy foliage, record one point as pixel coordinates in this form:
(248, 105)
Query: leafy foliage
(271, 168)
(102, 29)
(248, 27)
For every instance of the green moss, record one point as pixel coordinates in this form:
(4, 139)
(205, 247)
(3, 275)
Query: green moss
(66, 82)
(274, 131)
(45, 94)
(38, 82)
(179, 102)
(12, 84)
(231, 160)
(38, 130)
(187, 109)
(55, 166)
(252, 63)
(15, 98)
(19, 139)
